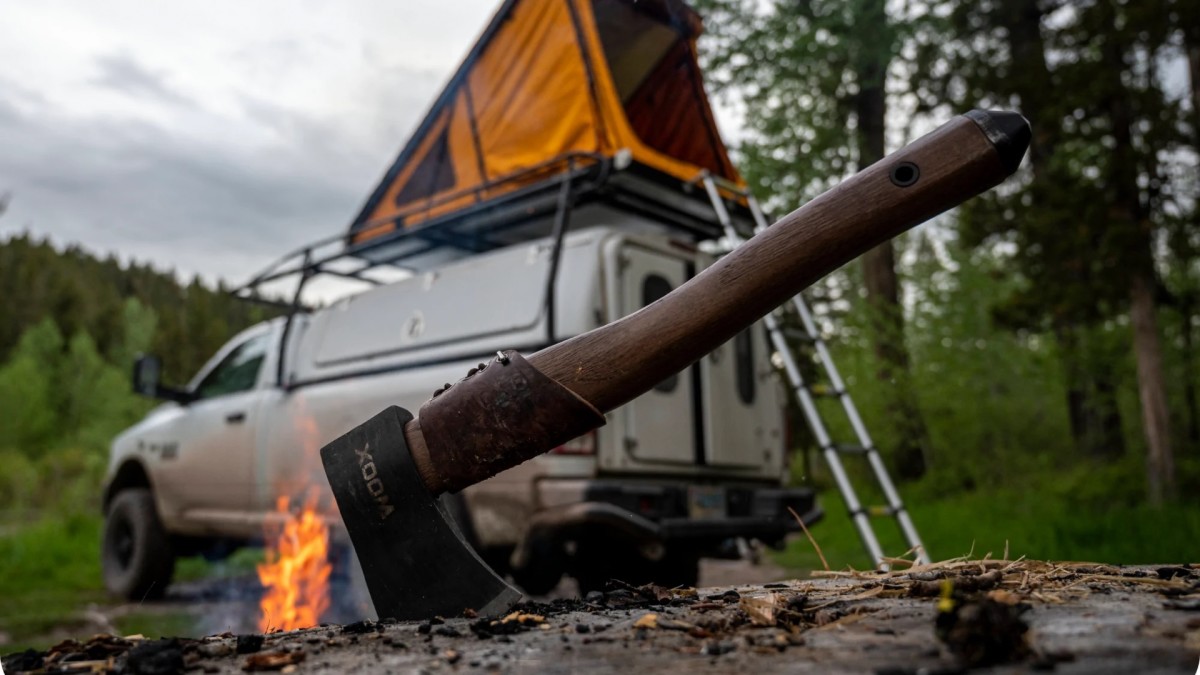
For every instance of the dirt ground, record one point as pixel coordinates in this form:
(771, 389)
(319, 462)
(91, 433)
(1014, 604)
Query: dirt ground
(991, 616)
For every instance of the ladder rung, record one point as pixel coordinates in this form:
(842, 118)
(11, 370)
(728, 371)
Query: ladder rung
(877, 511)
(822, 390)
(850, 449)
(798, 334)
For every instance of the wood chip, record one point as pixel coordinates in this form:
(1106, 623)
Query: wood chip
(646, 621)
(272, 660)
(763, 611)
(524, 619)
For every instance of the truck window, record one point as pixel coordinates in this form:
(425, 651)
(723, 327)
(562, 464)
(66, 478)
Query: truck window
(653, 288)
(238, 371)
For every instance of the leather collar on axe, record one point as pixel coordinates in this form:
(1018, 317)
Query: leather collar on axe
(414, 559)
(387, 473)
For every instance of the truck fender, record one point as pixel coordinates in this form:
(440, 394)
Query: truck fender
(131, 474)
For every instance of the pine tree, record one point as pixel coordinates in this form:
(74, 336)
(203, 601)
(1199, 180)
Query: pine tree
(1086, 221)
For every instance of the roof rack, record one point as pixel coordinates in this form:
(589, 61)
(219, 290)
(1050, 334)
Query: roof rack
(516, 216)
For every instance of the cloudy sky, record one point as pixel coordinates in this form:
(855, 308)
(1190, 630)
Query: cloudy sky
(212, 136)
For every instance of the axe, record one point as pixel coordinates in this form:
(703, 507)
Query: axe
(387, 473)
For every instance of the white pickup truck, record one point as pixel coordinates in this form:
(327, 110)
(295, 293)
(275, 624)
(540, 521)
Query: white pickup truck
(700, 459)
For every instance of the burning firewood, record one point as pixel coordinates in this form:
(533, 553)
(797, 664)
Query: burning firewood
(295, 575)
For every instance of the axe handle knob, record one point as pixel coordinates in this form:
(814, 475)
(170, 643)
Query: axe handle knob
(615, 363)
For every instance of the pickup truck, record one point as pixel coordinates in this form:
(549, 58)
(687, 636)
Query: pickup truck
(688, 470)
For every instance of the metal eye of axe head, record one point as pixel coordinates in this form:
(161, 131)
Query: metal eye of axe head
(387, 474)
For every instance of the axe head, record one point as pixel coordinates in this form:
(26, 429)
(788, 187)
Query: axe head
(414, 558)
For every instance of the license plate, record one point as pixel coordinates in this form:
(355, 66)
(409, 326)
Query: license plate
(706, 502)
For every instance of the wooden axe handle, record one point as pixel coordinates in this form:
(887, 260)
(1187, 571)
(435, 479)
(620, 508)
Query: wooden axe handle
(613, 364)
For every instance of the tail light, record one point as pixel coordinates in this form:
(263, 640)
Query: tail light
(583, 445)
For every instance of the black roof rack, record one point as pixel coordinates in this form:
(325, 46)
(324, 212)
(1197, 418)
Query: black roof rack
(524, 214)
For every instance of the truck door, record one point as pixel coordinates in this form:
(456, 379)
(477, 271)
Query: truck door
(658, 425)
(211, 469)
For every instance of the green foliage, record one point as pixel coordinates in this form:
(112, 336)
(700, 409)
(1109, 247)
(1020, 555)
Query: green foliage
(67, 404)
(1021, 346)
(157, 624)
(50, 574)
(49, 571)
(83, 294)
(992, 399)
(64, 379)
(798, 71)
(27, 395)
(1093, 512)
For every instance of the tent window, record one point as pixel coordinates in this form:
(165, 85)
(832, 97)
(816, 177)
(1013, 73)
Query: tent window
(633, 43)
(657, 80)
(434, 174)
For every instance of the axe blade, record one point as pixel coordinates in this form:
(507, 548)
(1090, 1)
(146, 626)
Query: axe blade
(414, 558)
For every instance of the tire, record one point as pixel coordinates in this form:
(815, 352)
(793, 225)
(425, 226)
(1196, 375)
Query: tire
(136, 557)
(544, 570)
(597, 565)
(677, 568)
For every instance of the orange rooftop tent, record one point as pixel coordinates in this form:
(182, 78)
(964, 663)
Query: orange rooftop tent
(554, 88)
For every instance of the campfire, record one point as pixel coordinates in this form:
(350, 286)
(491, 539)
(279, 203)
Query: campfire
(295, 576)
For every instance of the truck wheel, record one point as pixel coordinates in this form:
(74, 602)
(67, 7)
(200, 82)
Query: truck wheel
(544, 570)
(677, 569)
(595, 568)
(136, 557)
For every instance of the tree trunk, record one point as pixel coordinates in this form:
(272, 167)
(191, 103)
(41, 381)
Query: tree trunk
(1094, 416)
(1160, 461)
(1130, 215)
(1091, 397)
(1191, 25)
(879, 264)
(1188, 354)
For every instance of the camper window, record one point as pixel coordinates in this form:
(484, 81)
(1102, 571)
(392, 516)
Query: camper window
(653, 288)
(743, 352)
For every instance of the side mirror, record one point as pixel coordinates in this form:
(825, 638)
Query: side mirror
(147, 380)
(147, 371)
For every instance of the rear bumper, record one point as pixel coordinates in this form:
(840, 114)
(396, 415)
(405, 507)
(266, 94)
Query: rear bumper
(676, 515)
(749, 511)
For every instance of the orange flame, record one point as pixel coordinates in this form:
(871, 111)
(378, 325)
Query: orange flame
(295, 575)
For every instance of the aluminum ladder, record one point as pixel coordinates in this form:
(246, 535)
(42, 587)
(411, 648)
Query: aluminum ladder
(805, 394)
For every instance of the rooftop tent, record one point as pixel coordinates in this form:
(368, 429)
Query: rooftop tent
(552, 85)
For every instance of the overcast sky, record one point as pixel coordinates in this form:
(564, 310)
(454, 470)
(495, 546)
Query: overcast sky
(212, 136)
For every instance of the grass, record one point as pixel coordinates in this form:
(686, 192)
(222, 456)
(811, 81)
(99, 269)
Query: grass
(50, 574)
(1068, 516)
(156, 624)
(242, 563)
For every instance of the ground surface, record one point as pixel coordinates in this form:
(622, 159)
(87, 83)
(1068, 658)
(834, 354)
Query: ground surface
(997, 616)
(229, 603)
